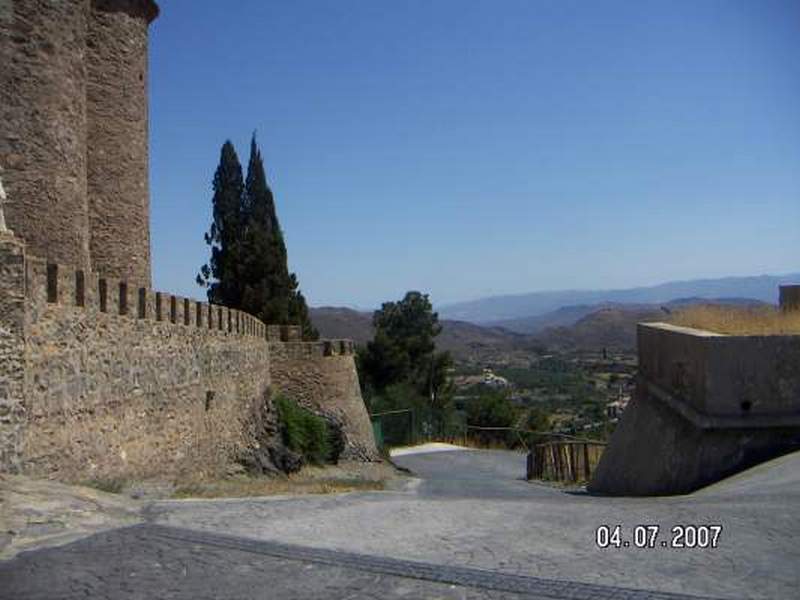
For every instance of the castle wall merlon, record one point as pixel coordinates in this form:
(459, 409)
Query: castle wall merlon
(311, 350)
(141, 9)
(284, 333)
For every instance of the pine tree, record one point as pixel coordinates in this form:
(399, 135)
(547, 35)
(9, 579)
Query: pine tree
(222, 274)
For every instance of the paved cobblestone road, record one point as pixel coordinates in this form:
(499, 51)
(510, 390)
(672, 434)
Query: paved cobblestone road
(467, 529)
(153, 561)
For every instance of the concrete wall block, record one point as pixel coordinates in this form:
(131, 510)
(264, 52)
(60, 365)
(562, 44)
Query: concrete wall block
(722, 376)
(790, 297)
(705, 407)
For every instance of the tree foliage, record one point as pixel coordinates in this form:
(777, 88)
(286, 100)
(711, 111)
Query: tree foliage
(248, 268)
(403, 353)
(493, 408)
(222, 274)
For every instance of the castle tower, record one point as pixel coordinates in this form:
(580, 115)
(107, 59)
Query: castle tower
(117, 115)
(43, 125)
(73, 131)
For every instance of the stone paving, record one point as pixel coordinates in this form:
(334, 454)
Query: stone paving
(466, 529)
(471, 509)
(152, 561)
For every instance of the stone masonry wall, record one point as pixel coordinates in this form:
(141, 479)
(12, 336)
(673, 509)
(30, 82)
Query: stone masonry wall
(43, 121)
(119, 204)
(12, 352)
(322, 377)
(121, 382)
(101, 380)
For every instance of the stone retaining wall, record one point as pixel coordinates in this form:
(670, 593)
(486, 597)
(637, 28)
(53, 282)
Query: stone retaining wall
(322, 377)
(706, 406)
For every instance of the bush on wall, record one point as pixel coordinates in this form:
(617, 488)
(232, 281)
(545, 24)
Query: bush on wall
(304, 432)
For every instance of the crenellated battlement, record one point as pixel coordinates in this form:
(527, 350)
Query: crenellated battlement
(310, 350)
(50, 283)
(284, 333)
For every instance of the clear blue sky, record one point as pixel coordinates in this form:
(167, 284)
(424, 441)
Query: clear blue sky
(470, 148)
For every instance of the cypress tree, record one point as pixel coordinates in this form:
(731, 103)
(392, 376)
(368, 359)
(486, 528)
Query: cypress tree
(222, 275)
(270, 292)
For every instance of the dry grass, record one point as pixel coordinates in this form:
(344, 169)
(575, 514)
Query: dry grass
(734, 320)
(242, 486)
(311, 479)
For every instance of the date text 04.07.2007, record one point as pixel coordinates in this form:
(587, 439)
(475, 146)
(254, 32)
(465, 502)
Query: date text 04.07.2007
(648, 536)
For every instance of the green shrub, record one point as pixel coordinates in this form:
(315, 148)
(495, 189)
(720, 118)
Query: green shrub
(304, 432)
(111, 485)
(492, 408)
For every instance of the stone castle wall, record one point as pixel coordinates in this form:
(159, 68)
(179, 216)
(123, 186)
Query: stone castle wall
(104, 380)
(12, 352)
(99, 379)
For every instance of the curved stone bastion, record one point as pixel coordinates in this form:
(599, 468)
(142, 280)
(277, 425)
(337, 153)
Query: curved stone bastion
(101, 379)
(706, 406)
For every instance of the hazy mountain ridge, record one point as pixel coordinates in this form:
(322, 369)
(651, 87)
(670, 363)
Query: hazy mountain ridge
(570, 315)
(583, 327)
(461, 338)
(615, 327)
(499, 309)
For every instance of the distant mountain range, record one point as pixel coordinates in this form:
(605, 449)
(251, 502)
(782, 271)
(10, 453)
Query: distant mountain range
(614, 327)
(585, 327)
(464, 340)
(483, 330)
(569, 315)
(509, 311)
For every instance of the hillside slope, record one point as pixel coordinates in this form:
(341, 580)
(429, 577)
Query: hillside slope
(611, 328)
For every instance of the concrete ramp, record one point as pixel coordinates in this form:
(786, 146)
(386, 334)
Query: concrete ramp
(778, 477)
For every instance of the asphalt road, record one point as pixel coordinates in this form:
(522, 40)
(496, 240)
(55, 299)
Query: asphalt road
(468, 527)
(487, 474)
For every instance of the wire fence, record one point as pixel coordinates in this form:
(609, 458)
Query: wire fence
(407, 427)
(524, 439)
(551, 455)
